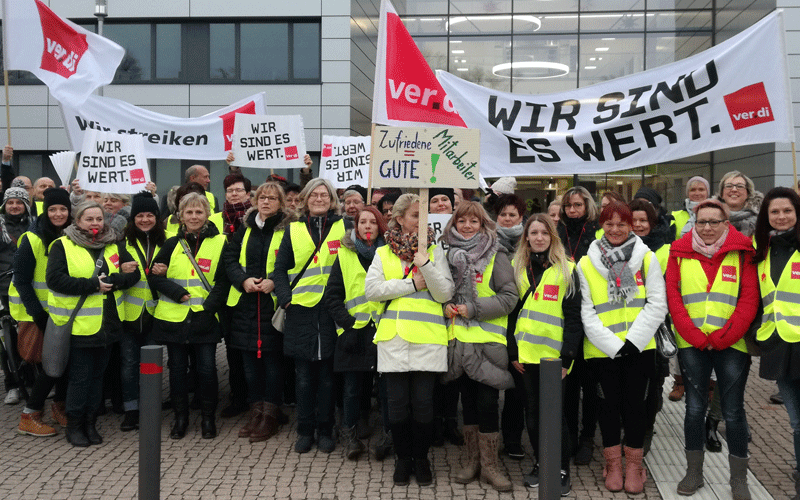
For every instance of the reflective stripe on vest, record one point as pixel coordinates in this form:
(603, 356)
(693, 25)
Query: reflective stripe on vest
(81, 264)
(308, 291)
(277, 236)
(416, 318)
(182, 273)
(490, 330)
(781, 307)
(354, 276)
(16, 307)
(616, 316)
(540, 325)
(710, 307)
(139, 295)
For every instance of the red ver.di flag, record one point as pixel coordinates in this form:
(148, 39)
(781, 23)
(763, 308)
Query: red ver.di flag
(113, 163)
(70, 60)
(407, 92)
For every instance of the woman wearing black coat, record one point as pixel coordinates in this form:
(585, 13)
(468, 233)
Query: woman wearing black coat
(249, 260)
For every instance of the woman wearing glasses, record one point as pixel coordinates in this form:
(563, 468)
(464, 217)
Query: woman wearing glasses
(738, 192)
(712, 290)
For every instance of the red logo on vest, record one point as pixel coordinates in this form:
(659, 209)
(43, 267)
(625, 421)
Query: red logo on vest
(729, 274)
(204, 265)
(550, 292)
(115, 260)
(478, 277)
(63, 46)
(639, 280)
(333, 246)
(796, 270)
(229, 118)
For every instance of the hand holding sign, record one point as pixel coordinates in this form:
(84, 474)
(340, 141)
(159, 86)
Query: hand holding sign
(113, 163)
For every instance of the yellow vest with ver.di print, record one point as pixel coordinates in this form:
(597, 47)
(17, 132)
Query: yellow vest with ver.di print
(234, 295)
(490, 330)
(308, 291)
(138, 296)
(781, 302)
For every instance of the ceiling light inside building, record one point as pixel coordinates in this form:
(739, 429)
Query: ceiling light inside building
(458, 52)
(531, 70)
(478, 20)
(601, 49)
(462, 69)
(590, 67)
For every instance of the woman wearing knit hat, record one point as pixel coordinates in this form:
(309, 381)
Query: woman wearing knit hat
(697, 190)
(143, 239)
(441, 200)
(28, 297)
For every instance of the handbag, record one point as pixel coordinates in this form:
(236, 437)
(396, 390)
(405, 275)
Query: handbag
(665, 341)
(55, 346)
(279, 318)
(29, 341)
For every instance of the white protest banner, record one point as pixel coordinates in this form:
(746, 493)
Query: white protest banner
(345, 160)
(207, 137)
(733, 94)
(113, 163)
(437, 222)
(274, 141)
(413, 157)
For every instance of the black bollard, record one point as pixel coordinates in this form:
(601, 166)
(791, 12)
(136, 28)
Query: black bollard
(150, 373)
(550, 429)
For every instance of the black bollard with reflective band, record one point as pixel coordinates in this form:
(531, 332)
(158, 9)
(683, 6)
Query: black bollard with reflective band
(550, 429)
(150, 373)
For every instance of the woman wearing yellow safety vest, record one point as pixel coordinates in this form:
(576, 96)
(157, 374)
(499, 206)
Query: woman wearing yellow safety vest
(778, 258)
(88, 242)
(356, 317)
(173, 223)
(478, 312)
(623, 304)
(249, 260)
(28, 304)
(302, 268)
(412, 336)
(191, 293)
(143, 239)
(713, 295)
(548, 325)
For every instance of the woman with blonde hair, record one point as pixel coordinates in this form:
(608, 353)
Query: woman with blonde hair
(412, 336)
(484, 295)
(549, 325)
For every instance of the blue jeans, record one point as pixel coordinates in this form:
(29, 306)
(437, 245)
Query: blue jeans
(790, 390)
(85, 385)
(732, 368)
(351, 397)
(264, 376)
(178, 362)
(315, 396)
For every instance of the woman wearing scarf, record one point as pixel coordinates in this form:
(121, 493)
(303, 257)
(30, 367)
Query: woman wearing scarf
(185, 316)
(478, 312)
(355, 316)
(249, 260)
(234, 210)
(28, 303)
(623, 303)
(546, 321)
(738, 192)
(73, 257)
(578, 228)
(778, 255)
(712, 288)
(412, 336)
(143, 239)
(307, 252)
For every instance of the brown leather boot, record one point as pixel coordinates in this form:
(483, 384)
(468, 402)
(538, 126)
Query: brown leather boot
(268, 424)
(254, 417)
(32, 425)
(470, 456)
(677, 389)
(60, 412)
(491, 470)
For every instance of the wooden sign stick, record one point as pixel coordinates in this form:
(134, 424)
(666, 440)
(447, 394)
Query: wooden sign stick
(423, 220)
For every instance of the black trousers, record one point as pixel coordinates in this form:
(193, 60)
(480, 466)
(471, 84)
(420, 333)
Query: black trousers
(480, 403)
(533, 393)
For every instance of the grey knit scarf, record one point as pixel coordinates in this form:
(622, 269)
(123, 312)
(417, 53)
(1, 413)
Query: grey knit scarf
(468, 257)
(621, 281)
(86, 239)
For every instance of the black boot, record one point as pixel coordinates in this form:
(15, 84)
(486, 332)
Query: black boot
(130, 422)
(404, 464)
(712, 440)
(420, 444)
(91, 432)
(438, 431)
(180, 404)
(75, 434)
(451, 432)
(207, 425)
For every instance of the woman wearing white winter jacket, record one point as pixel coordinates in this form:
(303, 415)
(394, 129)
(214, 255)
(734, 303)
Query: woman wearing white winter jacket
(623, 303)
(411, 336)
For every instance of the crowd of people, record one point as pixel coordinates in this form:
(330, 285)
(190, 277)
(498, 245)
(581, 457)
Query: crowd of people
(326, 299)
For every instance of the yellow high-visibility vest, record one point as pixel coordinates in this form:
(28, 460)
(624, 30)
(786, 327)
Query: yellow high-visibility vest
(15, 305)
(234, 294)
(139, 296)
(782, 302)
(355, 301)
(416, 317)
(308, 291)
(681, 217)
(490, 330)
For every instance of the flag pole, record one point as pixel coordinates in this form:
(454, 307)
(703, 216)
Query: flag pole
(368, 201)
(794, 166)
(422, 235)
(8, 107)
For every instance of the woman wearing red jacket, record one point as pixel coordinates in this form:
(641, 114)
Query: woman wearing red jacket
(712, 291)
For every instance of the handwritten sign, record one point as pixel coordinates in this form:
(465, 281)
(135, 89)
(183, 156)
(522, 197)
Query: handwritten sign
(268, 141)
(414, 157)
(113, 163)
(345, 160)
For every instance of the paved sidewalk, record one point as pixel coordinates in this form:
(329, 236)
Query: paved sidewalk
(228, 467)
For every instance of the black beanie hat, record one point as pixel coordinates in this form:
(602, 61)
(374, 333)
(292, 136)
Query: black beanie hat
(650, 195)
(445, 191)
(360, 190)
(56, 196)
(144, 202)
